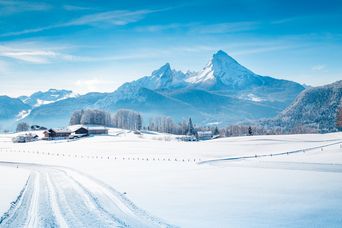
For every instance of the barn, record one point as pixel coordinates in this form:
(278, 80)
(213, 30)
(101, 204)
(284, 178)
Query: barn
(78, 131)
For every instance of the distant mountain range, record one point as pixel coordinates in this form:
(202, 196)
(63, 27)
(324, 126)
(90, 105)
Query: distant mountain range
(223, 92)
(41, 98)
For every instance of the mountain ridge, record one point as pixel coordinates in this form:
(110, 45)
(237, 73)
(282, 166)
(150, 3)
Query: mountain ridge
(223, 91)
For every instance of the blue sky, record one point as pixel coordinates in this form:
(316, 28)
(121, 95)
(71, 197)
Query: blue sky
(98, 45)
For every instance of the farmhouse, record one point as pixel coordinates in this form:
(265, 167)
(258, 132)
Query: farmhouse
(57, 134)
(78, 131)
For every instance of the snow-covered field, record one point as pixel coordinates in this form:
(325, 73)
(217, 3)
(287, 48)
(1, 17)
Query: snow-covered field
(153, 180)
(12, 181)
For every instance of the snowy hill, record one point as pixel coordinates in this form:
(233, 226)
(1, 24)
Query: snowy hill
(316, 108)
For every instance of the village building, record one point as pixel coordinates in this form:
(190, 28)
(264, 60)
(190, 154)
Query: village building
(78, 131)
(75, 131)
(204, 135)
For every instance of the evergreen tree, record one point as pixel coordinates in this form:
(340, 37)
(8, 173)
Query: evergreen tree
(139, 122)
(339, 119)
(250, 132)
(216, 131)
(191, 129)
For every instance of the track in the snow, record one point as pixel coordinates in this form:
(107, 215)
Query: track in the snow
(61, 197)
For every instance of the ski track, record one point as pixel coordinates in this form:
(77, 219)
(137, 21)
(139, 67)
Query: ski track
(62, 197)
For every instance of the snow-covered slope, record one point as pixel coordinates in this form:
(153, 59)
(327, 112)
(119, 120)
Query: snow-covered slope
(91, 181)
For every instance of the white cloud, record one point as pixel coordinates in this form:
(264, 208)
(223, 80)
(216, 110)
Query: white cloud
(91, 85)
(3, 67)
(75, 8)
(116, 18)
(229, 27)
(13, 6)
(158, 28)
(319, 67)
(36, 54)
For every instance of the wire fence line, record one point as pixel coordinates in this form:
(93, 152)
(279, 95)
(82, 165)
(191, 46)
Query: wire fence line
(102, 157)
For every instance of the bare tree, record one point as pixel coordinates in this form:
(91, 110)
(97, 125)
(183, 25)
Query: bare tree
(22, 126)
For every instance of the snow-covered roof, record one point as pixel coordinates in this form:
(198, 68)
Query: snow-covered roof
(89, 127)
(204, 133)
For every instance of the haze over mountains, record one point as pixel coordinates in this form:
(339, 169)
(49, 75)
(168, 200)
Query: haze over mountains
(223, 92)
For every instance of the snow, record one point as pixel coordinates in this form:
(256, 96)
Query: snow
(206, 75)
(253, 97)
(12, 182)
(224, 68)
(172, 184)
(23, 114)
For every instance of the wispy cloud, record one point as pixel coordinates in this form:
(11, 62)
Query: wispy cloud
(13, 6)
(318, 67)
(158, 28)
(230, 27)
(35, 55)
(92, 84)
(76, 8)
(114, 18)
(195, 27)
(3, 67)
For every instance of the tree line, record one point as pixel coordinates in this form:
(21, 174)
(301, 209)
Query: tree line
(123, 118)
(129, 119)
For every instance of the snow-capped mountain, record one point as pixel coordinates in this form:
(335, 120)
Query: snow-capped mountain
(223, 69)
(52, 95)
(224, 91)
(316, 107)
